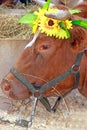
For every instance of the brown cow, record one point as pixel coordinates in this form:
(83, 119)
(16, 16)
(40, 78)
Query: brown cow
(48, 58)
(7, 2)
(51, 66)
(13, 2)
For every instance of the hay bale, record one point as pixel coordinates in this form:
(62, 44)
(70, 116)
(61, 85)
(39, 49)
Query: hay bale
(10, 28)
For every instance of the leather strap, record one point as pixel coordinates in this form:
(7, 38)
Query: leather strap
(52, 82)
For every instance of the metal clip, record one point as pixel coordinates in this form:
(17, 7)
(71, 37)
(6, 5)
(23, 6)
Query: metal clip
(27, 123)
(33, 112)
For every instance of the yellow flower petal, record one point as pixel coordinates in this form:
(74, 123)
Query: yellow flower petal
(68, 24)
(39, 13)
(61, 34)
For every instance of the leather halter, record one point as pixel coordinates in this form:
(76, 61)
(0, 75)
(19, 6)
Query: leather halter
(38, 92)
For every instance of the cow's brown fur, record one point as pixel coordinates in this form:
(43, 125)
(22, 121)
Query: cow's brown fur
(7, 2)
(83, 12)
(46, 59)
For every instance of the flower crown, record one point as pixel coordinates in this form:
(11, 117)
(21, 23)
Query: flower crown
(49, 26)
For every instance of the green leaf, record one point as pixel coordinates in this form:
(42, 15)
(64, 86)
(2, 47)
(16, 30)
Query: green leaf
(61, 24)
(46, 5)
(28, 19)
(74, 11)
(81, 23)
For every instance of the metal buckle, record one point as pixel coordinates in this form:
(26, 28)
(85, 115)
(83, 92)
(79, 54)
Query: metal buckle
(36, 94)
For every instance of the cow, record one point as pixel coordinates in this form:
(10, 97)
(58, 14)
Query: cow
(14, 2)
(51, 65)
(7, 2)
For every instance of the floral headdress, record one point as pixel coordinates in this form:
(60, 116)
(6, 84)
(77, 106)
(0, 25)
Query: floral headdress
(50, 26)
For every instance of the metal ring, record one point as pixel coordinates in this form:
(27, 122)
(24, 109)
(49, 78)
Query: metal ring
(75, 68)
(36, 93)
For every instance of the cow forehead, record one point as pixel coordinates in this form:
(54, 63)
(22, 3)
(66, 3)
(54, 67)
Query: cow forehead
(59, 28)
(40, 36)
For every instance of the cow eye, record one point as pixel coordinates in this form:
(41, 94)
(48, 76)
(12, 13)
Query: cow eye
(44, 47)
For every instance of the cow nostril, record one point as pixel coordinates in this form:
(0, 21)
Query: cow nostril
(7, 87)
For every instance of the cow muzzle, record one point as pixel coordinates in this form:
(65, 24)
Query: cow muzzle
(7, 88)
(14, 89)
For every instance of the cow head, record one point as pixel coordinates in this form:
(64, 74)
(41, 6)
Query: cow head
(48, 57)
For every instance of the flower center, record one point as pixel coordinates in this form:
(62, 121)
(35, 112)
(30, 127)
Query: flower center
(50, 23)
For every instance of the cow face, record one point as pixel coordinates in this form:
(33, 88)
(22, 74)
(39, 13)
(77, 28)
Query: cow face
(46, 59)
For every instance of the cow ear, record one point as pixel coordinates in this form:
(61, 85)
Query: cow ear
(78, 40)
(83, 8)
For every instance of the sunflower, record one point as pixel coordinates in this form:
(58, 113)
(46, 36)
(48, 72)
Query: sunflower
(48, 26)
(58, 28)
(41, 19)
(51, 26)
(39, 14)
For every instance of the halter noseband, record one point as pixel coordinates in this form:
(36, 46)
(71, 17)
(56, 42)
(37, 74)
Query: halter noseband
(73, 70)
